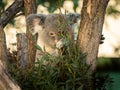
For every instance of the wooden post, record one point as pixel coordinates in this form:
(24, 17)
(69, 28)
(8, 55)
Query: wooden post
(22, 50)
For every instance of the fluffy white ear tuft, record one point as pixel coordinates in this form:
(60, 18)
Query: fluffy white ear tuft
(35, 22)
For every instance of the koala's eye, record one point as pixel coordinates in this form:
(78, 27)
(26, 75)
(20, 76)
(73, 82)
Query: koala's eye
(52, 34)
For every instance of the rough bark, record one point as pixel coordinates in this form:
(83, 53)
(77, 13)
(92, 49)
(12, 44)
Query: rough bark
(30, 7)
(10, 12)
(92, 19)
(6, 82)
(21, 50)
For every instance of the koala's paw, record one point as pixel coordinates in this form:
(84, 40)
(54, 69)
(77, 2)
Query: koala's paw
(60, 44)
(102, 39)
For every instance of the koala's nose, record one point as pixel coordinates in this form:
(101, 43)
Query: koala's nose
(57, 39)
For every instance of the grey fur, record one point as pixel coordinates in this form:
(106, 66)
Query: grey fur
(45, 24)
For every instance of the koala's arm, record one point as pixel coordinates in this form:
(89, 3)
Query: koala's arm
(35, 22)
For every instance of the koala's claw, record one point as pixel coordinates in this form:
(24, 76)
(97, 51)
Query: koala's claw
(102, 39)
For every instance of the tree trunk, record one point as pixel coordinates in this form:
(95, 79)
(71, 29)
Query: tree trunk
(92, 19)
(30, 7)
(6, 82)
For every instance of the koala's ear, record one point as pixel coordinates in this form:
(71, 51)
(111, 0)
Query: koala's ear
(35, 22)
(73, 17)
(35, 19)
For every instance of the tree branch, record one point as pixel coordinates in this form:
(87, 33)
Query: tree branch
(10, 12)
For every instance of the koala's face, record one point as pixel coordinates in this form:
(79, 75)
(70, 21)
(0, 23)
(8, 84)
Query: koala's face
(51, 32)
(50, 29)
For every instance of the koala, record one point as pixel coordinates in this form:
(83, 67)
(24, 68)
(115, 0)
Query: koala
(51, 30)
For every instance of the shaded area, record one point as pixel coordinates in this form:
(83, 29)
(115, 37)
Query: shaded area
(111, 66)
(116, 79)
(108, 64)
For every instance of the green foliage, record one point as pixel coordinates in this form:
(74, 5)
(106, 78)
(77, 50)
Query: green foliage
(113, 8)
(65, 72)
(112, 11)
(75, 4)
(37, 47)
(2, 5)
(52, 5)
(103, 61)
(108, 64)
(103, 81)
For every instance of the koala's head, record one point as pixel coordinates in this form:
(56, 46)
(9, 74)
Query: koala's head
(50, 29)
